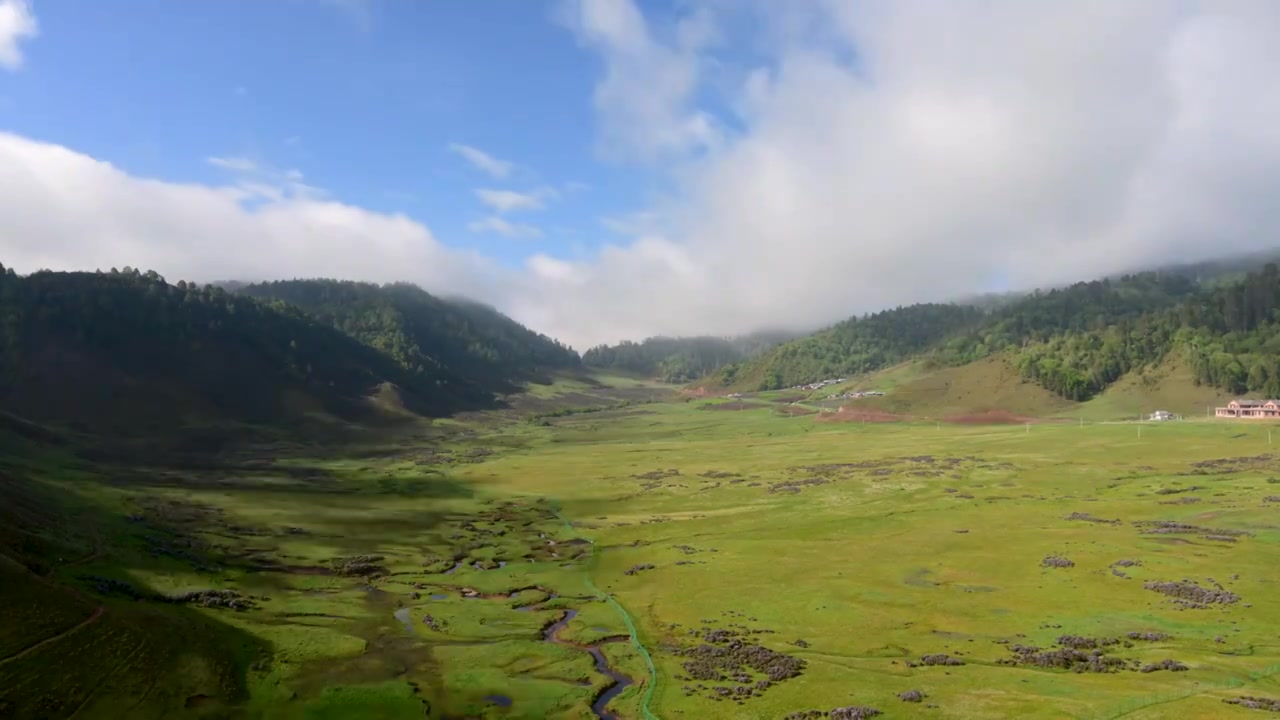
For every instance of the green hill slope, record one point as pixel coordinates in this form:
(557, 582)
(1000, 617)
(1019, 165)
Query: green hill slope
(855, 346)
(444, 342)
(1075, 342)
(1168, 385)
(923, 389)
(129, 353)
(992, 383)
(680, 359)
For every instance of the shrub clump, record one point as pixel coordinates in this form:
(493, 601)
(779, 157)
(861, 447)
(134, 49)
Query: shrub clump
(1065, 658)
(1085, 643)
(936, 659)
(635, 569)
(229, 599)
(1086, 517)
(854, 712)
(851, 712)
(360, 565)
(1254, 703)
(1170, 665)
(1148, 636)
(912, 696)
(1170, 527)
(724, 656)
(1189, 594)
(1056, 561)
(1088, 655)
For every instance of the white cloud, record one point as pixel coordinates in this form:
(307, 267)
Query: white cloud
(893, 152)
(505, 201)
(505, 228)
(643, 222)
(883, 153)
(17, 23)
(483, 160)
(255, 180)
(646, 99)
(62, 209)
(238, 164)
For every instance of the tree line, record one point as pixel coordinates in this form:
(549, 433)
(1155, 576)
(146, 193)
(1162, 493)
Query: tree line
(680, 359)
(1074, 341)
(116, 345)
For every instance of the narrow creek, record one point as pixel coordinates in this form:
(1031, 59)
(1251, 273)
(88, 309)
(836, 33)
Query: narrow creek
(551, 633)
(618, 681)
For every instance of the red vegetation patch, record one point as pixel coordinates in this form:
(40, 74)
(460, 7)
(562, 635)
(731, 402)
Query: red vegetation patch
(993, 417)
(699, 392)
(796, 410)
(872, 416)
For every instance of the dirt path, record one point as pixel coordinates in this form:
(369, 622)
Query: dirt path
(97, 614)
(96, 554)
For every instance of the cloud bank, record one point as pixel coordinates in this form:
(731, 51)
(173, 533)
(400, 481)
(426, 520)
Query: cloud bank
(17, 23)
(868, 154)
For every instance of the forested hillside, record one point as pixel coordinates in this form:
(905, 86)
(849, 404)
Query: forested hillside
(1074, 341)
(439, 340)
(680, 359)
(854, 346)
(126, 351)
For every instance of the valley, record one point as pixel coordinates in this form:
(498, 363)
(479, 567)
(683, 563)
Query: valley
(767, 564)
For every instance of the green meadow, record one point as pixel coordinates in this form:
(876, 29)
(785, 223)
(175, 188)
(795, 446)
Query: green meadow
(767, 564)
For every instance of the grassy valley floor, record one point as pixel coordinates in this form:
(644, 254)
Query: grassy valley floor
(771, 564)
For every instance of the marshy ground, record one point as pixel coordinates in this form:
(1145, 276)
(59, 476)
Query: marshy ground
(773, 566)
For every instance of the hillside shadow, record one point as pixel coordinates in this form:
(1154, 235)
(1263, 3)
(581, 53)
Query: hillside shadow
(71, 651)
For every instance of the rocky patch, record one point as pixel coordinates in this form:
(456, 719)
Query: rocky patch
(795, 486)
(1170, 527)
(850, 712)
(359, 566)
(936, 659)
(1086, 517)
(1191, 595)
(1148, 636)
(727, 656)
(1254, 703)
(1084, 655)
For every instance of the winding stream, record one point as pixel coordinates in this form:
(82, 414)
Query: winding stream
(619, 682)
(551, 633)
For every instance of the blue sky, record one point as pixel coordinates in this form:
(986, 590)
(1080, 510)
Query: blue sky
(614, 169)
(363, 97)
